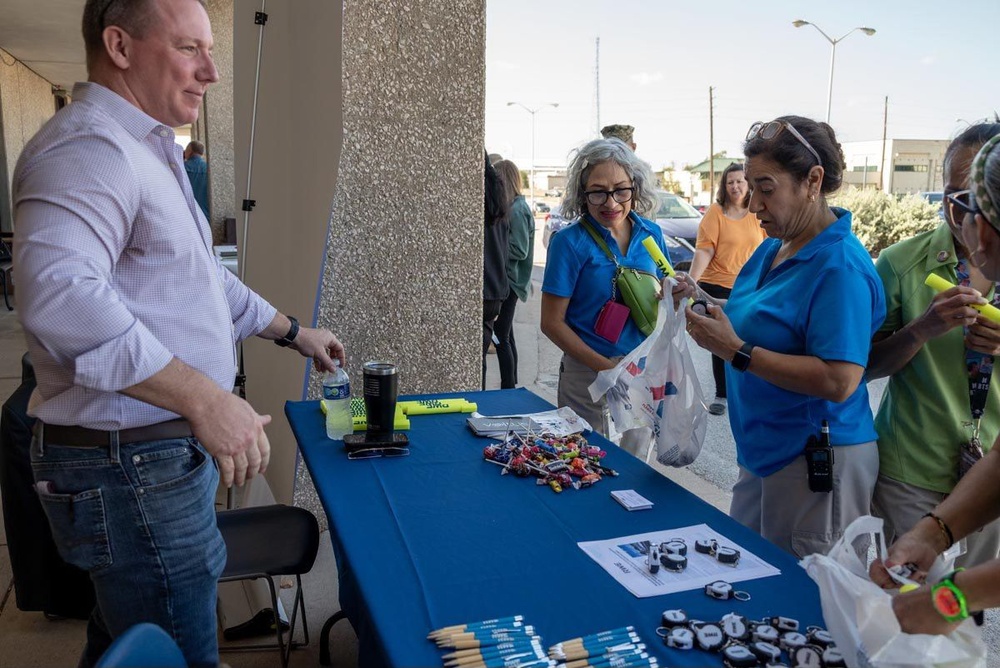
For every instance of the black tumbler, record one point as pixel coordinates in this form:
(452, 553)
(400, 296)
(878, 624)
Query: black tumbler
(380, 387)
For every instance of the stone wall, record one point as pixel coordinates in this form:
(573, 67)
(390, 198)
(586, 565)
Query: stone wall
(26, 102)
(217, 119)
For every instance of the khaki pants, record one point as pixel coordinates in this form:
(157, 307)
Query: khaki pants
(902, 505)
(781, 508)
(574, 379)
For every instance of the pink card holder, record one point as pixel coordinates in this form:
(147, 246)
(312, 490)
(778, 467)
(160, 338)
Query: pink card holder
(611, 321)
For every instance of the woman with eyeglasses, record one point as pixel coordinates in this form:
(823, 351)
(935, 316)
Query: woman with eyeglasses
(607, 189)
(975, 502)
(797, 330)
(727, 237)
(938, 414)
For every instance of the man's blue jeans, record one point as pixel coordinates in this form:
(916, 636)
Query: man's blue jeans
(140, 518)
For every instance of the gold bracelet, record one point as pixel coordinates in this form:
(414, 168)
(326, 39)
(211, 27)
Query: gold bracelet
(948, 535)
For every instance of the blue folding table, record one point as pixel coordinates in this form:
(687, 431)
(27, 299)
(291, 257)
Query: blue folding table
(439, 537)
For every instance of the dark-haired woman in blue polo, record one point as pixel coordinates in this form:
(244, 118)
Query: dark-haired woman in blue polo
(797, 331)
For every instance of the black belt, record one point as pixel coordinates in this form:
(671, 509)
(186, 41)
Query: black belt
(82, 437)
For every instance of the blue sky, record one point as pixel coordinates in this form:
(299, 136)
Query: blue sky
(658, 58)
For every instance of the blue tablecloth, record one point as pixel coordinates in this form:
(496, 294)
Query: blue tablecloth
(440, 538)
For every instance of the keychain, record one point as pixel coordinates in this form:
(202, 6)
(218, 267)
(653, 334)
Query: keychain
(727, 556)
(738, 656)
(709, 636)
(819, 636)
(706, 546)
(808, 656)
(784, 623)
(764, 633)
(675, 563)
(671, 618)
(679, 637)
(765, 651)
(674, 546)
(653, 559)
(723, 591)
(791, 641)
(735, 626)
(832, 658)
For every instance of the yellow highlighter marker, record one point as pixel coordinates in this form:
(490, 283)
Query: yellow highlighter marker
(658, 258)
(939, 284)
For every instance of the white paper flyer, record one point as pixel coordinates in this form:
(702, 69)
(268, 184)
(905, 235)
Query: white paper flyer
(625, 559)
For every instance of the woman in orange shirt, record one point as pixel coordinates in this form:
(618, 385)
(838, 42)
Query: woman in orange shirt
(727, 237)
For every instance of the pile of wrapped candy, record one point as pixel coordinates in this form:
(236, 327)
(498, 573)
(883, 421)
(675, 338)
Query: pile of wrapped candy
(559, 462)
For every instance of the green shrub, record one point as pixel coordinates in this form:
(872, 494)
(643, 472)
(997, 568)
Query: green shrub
(881, 220)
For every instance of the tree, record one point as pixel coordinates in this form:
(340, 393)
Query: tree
(880, 219)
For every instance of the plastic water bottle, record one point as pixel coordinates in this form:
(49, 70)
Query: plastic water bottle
(337, 396)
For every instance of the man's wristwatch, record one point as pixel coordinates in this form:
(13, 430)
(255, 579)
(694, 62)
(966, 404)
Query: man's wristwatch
(293, 331)
(741, 360)
(948, 599)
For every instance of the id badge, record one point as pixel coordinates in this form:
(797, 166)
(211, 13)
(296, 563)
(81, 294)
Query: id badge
(970, 452)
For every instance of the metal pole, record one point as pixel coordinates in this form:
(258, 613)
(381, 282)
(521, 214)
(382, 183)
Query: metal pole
(531, 184)
(253, 130)
(829, 92)
(711, 146)
(885, 130)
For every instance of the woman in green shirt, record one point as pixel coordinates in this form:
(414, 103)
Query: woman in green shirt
(521, 258)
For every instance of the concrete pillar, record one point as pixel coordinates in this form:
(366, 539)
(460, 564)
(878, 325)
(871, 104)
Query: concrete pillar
(26, 102)
(215, 126)
(400, 258)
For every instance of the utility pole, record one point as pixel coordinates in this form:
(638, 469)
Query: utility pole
(885, 126)
(597, 82)
(711, 145)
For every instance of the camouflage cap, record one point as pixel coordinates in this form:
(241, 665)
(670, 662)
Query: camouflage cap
(623, 132)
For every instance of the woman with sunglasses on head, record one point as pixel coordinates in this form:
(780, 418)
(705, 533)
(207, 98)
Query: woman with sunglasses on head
(797, 330)
(607, 188)
(727, 236)
(975, 502)
(937, 404)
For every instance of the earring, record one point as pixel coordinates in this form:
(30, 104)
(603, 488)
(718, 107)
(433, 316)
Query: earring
(977, 257)
(812, 197)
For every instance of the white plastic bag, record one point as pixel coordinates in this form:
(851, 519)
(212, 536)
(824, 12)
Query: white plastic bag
(655, 386)
(859, 614)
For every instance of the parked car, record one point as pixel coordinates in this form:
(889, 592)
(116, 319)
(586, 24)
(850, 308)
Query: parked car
(677, 218)
(554, 192)
(541, 207)
(553, 223)
(680, 251)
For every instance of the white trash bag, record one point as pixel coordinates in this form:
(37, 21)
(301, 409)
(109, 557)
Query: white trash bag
(859, 614)
(656, 386)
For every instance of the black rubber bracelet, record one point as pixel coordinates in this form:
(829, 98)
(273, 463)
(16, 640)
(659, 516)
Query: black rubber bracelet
(949, 536)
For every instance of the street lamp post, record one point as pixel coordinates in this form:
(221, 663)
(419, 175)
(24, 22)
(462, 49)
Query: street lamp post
(531, 179)
(833, 53)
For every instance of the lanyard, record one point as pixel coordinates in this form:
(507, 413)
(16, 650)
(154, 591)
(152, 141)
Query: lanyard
(979, 366)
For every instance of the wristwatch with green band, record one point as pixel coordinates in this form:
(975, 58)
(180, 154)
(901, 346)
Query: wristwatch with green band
(948, 599)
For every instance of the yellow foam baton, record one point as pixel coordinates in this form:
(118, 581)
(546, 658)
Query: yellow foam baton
(658, 257)
(939, 284)
(432, 406)
(908, 587)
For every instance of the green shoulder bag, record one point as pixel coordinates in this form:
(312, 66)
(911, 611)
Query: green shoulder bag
(639, 289)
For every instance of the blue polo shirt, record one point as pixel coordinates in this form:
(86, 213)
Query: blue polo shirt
(576, 267)
(825, 302)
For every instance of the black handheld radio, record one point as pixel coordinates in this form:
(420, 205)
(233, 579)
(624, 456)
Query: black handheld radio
(819, 461)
